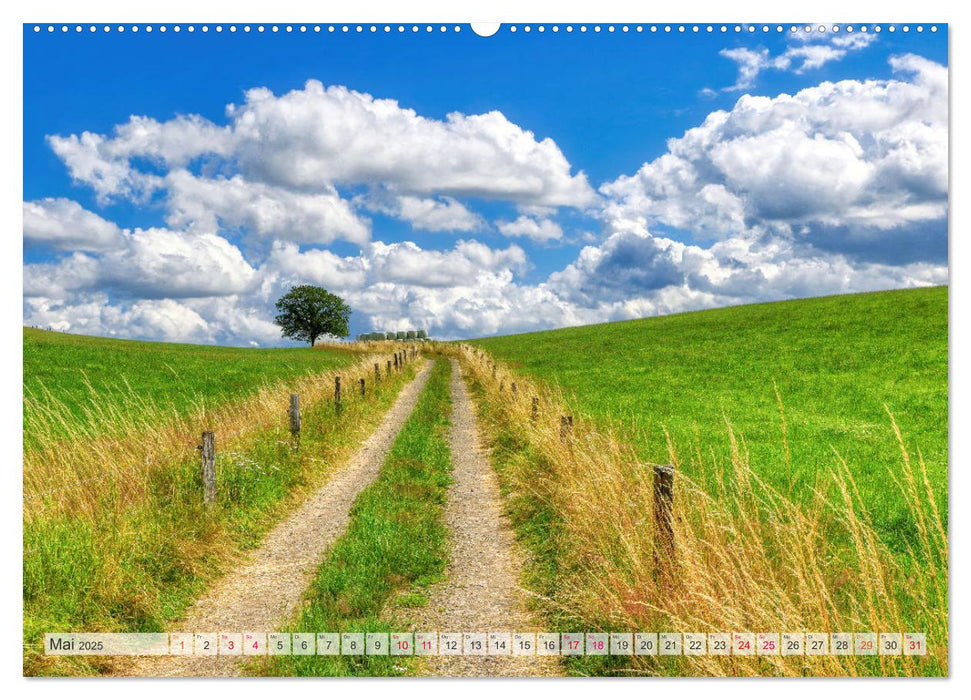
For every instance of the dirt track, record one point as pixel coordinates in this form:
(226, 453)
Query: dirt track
(481, 592)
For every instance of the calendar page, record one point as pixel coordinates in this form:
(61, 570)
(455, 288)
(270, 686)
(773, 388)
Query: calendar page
(523, 349)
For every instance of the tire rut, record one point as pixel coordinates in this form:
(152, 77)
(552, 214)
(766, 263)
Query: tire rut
(481, 592)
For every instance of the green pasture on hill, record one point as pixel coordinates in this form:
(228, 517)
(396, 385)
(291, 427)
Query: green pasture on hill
(835, 361)
(65, 368)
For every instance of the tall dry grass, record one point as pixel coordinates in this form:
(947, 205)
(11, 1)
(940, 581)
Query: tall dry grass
(747, 556)
(73, 467)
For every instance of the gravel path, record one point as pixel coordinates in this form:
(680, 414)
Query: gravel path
(481, 592)
(265, 590)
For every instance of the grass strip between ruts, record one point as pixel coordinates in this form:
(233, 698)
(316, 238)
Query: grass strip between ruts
(395, 546)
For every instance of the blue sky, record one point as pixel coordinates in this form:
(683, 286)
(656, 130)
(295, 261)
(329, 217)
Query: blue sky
(526, 233)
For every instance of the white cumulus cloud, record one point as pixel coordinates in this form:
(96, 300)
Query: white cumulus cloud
(812, 51)
(210, 204)
(151, 263)
(63, 224)
(424, 213)
(849, 156)
(336, 135)
(540, 230)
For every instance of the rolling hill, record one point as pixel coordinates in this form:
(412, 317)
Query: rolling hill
(803, 383)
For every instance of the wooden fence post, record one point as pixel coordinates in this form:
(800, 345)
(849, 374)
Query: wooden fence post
(377, 373)
(663, 518)
(534, 416)
(362, 386)
(514, 388)
(295, 416)
(388, 371)
(208, 448)
(502, 385)
(337, 395)
(566, 426)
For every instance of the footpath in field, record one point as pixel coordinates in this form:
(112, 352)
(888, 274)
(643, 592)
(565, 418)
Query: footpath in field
(265, 590)
(481, 592)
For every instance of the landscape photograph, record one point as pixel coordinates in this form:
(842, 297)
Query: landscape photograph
(519, 350)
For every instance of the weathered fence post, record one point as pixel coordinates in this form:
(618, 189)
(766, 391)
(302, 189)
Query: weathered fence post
(295, 416)
(514, 388)
(502, 385)
(362, 386)
(389, 368)
(395, 356)
(337, 395)
(377, 373)
(663, 518)
(566, 426)
(208, 449)
(534, 416)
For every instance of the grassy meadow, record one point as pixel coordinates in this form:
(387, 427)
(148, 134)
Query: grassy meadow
(116, 536)
(74, 383)
(802, 384)
(801, 502)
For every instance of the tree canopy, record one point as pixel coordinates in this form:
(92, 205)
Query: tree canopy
(308, 312)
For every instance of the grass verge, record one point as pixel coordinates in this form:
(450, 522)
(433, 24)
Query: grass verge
(394, 547)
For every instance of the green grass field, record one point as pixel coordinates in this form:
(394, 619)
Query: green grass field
(835, 361)
(71, 370)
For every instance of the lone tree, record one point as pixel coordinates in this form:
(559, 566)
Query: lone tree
(308, 312)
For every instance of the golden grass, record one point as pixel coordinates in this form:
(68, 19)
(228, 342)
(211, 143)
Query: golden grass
(111, 462)
(747, 556)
